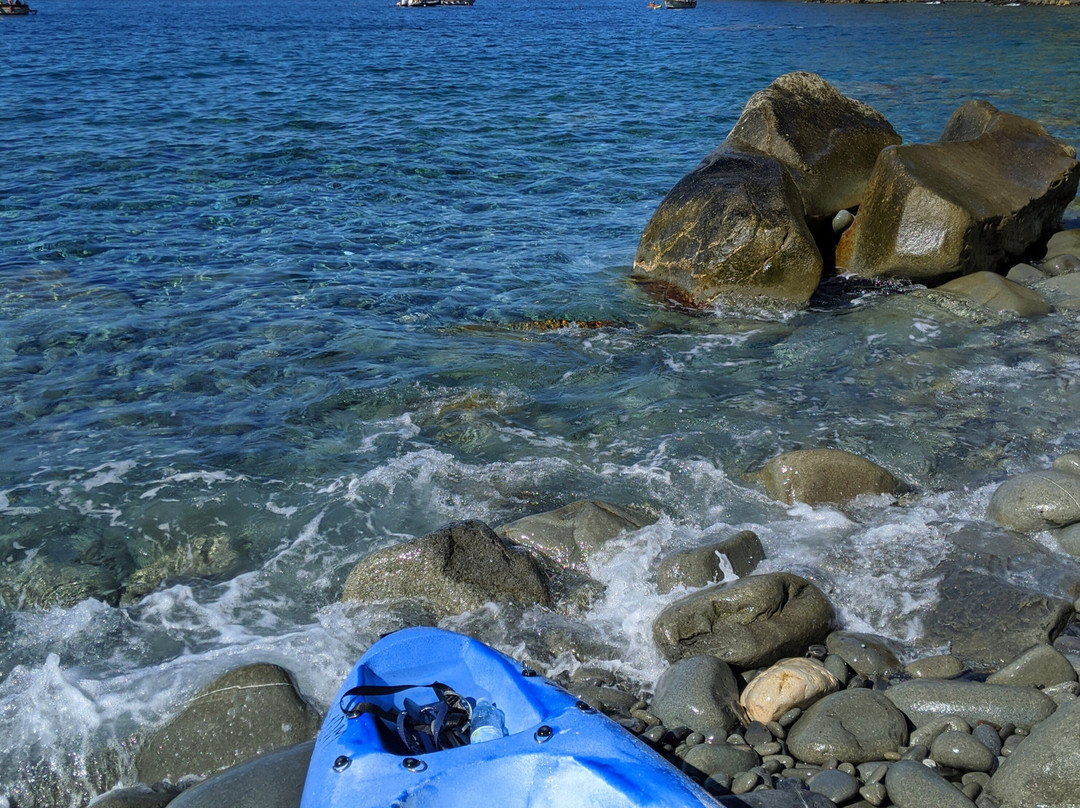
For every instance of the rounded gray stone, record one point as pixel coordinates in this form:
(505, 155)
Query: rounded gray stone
(866, 654)
(1068, 539)
(852, 725)
(244, 713)
(1040, 666)
(701, 566)
(959, 750)
(721, 759)
(924, 700)
(748, 623)
(913, 785)
(700, 692)
(272, 781)
(1038, 500)
(1065, 264)
(838, 786)
(990, 738)
(1063, 242)
(942, 666)
(1044, 769)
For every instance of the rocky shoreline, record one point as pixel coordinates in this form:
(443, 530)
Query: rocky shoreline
(766, 699)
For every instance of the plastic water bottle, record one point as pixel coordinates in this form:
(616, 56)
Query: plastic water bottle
(487, 722)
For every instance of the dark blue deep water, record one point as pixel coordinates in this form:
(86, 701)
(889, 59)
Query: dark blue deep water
(261, 266)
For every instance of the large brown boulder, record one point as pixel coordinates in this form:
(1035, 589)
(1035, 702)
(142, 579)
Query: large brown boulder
(827, 141)
(456, 569)
(748, 623)
(735, 227)
(815, 476)
(978, 199)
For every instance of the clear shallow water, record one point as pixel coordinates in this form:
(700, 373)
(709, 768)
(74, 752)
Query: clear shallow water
(258, 271)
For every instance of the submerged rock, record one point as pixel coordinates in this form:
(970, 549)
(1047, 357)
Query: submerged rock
(41, 584)
(815, 476)
(455, 569)
(701, 566)
(998, 294)
(571, 534)
(988, 621)
(978, 199)
(748, 623)
(245, 713)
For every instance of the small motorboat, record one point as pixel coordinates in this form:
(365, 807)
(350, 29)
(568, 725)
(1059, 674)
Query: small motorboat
(457, 2)
(680, 3)
(418, 3)
(404, 732)
(16, 9)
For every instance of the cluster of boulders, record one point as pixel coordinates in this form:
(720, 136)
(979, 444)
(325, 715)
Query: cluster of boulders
(809, 181)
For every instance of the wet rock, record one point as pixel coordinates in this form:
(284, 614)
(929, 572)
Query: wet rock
(204, 557)
(247, 712)
(41, 584)
(1068, 539)
(842, 221)
(138, 796)
(720, 760)
(827, 141)
(608, 700)
(866, 654)
(978, 199)
(699, 692)
(1068, 462)
(998, 294)
(793, 682)
(749, 623)
(838, 786)
(1038, 500)
(781, 798)
(455, 569)
(1025, 274)
(926, 734)
(1040, 666)
(960, 750)
(735, 227)
(988, 621)
(571, 534)
(1060, 265)
(275, 780)
(913, 785)
(815, 476)
(941, 666)
(852, 725)
(1063, 242)
(1044, 770)
(701, 566)
(924, 700)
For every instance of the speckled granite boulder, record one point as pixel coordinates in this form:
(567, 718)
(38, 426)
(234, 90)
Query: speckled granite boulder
(748, 623)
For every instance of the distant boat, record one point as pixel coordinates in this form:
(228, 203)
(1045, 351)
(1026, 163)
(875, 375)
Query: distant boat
(429, 3)
(18, 9)
(680, 3)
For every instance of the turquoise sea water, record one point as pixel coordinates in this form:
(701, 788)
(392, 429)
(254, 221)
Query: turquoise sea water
(259, 270)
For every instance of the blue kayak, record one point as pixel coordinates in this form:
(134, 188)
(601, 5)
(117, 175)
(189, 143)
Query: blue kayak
(398, 735)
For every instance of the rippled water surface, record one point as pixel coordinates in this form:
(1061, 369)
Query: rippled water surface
(262, 269)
